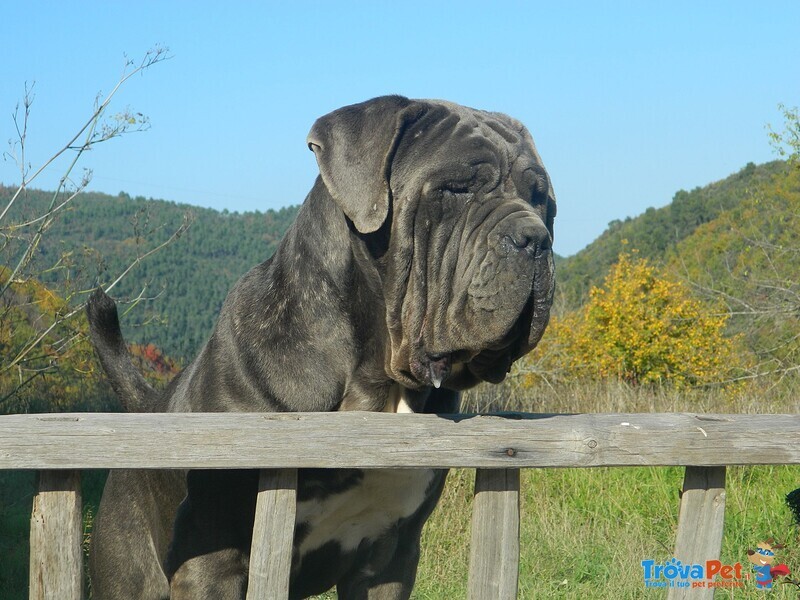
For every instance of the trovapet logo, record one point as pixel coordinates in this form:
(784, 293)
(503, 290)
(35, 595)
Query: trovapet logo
(674, 573)
(716, 574)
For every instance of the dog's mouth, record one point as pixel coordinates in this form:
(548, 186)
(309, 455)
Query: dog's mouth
(460, 368)
(432, 370)
(493, 364)
(443, 370)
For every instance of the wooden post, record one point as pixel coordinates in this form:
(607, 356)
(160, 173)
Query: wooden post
(494, 549)
(700, 523)
(273, 535)
(56, 561)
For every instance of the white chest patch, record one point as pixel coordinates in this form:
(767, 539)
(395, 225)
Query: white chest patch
(397, 401)
(364, 512)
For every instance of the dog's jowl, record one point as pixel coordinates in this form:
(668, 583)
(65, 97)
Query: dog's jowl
(420, 264)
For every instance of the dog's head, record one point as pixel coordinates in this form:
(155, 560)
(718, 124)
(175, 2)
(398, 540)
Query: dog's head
(460, 209)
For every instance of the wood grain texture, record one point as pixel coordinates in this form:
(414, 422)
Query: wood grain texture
(700, 524)
(378, 440)
(494, 548)
(56, 559)
(273, 532)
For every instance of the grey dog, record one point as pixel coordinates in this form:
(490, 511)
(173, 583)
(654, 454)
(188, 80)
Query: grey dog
(419, 265)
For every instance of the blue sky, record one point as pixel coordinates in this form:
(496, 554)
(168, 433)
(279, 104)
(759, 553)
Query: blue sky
(628, 101)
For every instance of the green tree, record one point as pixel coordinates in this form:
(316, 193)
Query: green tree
(786, 143)
(749, 259)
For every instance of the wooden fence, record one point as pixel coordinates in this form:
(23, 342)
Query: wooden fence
(58, 445)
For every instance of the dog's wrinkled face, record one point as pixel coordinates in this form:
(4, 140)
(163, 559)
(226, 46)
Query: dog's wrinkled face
(468, 208)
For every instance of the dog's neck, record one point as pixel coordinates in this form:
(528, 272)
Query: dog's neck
(307, 327)
(323, 265)
(317, 245)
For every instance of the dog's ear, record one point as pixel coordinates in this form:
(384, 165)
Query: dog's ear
(354, 147)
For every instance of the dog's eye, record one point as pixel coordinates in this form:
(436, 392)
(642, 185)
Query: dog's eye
(538, 198)
(456, 189)
(534, 180)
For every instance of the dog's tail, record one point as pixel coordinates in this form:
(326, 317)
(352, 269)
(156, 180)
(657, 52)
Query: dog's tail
(135, 394)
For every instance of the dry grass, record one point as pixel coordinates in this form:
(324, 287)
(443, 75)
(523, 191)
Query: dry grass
(617, 396)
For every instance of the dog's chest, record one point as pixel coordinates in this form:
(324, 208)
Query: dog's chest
(360, 509)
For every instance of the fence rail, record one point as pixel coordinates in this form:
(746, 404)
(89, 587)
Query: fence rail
(496, 445)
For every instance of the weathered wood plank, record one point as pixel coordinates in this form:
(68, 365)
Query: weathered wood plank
(700, 524)
(56, 559)
(494, 549)
(378, 440)
(273, 533)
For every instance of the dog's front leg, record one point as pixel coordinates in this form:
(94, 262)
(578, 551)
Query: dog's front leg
(221, 575)
(213, 530)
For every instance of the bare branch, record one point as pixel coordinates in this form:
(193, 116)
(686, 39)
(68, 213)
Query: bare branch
(124, 124)
(151, 58)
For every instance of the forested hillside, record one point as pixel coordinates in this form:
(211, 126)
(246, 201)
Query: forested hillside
(99, 235)
(658, 231)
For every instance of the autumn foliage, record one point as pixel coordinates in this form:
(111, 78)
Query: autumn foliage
(642, 327)
(47, 363)
(151, 360)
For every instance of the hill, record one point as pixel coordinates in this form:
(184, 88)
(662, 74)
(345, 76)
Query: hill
(99, 235)
(659, 231)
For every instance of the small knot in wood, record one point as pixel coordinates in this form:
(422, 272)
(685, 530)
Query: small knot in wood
(511, 452)
(592, 444)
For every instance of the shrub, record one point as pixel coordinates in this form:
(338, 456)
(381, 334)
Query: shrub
(642, 327)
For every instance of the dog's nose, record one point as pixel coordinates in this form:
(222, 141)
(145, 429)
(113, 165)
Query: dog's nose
(532, 239)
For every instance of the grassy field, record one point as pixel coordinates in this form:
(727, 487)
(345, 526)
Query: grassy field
(584, 531)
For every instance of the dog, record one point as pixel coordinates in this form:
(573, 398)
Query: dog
(419, 265)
